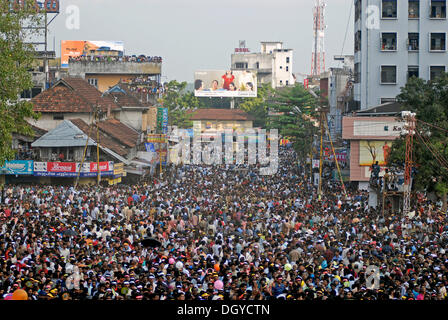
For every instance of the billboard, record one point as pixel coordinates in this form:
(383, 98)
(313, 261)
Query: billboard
(372, 151)
(71, 169)
(79, 48)
(17, 167)
(48, 6)
(222, 83)
(162, 120)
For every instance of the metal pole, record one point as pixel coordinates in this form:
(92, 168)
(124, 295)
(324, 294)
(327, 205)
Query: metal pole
(321, 153)
(98, 149)
(83, 155)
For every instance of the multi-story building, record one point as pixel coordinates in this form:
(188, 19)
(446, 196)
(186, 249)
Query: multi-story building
(272, 65)
(104, 72)
(395, 40)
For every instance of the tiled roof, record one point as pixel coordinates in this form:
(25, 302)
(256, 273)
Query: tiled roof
(120, 131)
(72, 95)
(221, 114)
(125, 100)
(105, 141)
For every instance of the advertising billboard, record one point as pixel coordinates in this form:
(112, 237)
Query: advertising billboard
(162, 120)
(372, 151)
(17, 167)
(71, 169)
(222, 83)
(76, 49)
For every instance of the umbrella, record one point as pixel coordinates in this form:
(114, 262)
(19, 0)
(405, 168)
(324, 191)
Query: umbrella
(70, 233)
(151, 242)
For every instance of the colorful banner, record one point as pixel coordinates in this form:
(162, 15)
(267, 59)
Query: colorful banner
(372, 151)
(72, 169)
(162, 120)
(222, 83)
(18, 167)
(76, 49)
(156, 138)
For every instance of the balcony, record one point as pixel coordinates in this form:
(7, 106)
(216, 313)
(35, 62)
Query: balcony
(84, 66)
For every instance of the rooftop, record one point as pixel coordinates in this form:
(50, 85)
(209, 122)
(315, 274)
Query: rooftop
(72, 95)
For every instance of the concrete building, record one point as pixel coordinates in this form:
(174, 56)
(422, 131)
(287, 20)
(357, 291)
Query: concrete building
(371, 133)
(395, 40)
(337, 86)
(273, 64)
(106, 72)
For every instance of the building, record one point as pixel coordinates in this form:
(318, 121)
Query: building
(71, 98)
(371, 133)
(221, 119)
(337, 86)
(395, 40)
(273, 64)
(104, 72)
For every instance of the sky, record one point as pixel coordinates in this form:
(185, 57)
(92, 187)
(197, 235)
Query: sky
(202, 34)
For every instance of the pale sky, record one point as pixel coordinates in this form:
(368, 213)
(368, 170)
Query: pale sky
(202, 34)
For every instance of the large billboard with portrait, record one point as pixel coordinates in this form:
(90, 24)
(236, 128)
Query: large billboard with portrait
(372, 151)
(76, 49)
(225, 83)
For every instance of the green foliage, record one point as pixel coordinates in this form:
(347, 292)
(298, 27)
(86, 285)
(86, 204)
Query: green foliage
(429, 100)
(179, 103)
(16, 57)
(258, 107)
(296, 109)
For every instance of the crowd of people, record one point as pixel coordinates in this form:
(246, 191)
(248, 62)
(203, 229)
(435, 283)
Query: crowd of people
(104, 58)
(224, 233)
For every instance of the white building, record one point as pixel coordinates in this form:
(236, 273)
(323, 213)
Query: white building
(395, 40)
(273, 64)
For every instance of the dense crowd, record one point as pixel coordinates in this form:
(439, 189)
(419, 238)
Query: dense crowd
(225, 233)
(102, 58)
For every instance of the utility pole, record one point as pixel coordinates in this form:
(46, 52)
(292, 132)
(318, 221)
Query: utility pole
(322, 111)
(409, 131)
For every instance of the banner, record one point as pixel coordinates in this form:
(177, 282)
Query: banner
(61, 167)
(18, 167)
(222, 83)
(162, 120)
(76, 49)
(372, 151)
(72, 169)
(156, 138)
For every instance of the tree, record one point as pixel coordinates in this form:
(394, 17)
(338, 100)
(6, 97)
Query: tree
(258, 107)
(16, 57)
(429, 100)
(179, 103)
(293, 113)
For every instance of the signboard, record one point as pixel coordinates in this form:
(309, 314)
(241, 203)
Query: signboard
(162, 120)
(156, 138)
(306, 83)
(118, 169)
(239, 50)
(17, 167)
(222, 83)
(316, 163)
(372, 151)
(72, 169)
(150, 147)
(76, 49)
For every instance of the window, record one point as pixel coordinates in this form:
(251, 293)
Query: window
(358, 41)
(287, 68)
(93, 82)
(386, 100)
(413, 72)
(413, 41)
(281, 67)
(438, 41)
(358, 10)
(287, 82)
(241, 65)
(287, 59)
(438, 9)
(435, 72)
(58, 116)
(389, 9)
(26, 94)
(357, 73)
(389, 41)
(281, 82)
(257, 65)
(388, 74)
(414, 9)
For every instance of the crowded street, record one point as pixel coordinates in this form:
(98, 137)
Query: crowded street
(221, 233)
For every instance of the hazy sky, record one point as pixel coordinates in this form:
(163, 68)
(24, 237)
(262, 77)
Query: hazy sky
(202, 34)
